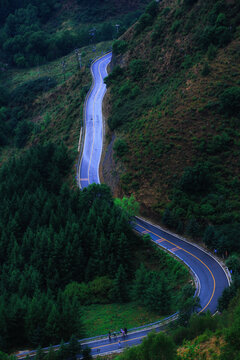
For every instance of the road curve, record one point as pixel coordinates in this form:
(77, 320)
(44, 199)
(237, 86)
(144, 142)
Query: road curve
(212, 277)
(93, 140)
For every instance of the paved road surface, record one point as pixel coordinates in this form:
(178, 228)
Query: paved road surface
(212, 277)
(92, 150)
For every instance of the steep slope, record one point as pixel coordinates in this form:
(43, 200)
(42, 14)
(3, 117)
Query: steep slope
(175, 106)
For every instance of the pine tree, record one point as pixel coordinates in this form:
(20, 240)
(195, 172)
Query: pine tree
(120, 287)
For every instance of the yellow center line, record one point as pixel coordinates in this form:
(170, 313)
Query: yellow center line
(180, 248)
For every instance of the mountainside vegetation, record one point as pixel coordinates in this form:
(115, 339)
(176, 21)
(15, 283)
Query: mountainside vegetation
(68, 255)
(36, 32)
(62, 249)
(175, 108)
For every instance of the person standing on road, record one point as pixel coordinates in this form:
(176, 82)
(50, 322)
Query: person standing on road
(125, 330)
(109, 336)
(119, 344)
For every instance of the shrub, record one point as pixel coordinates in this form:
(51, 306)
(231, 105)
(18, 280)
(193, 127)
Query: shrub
(119, 47)
(30, 89)
(120, 147)
(206, 69)
(158, 31)
(211, 52)
(22, 133)
(144, 21)
(137, 68)
(175, 26)
(193, 228)
(116, 73)
(152, 8)
(230, 100)
(196, 179)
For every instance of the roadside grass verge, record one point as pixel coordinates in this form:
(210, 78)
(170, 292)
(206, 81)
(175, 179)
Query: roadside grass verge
(98, 319)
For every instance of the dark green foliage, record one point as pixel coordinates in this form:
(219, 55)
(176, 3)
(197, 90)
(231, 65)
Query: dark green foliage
(216, 35)
(175, 26)
(197, 325)
(231, 348)
(26, 92)
(155, 346)
(206, 69)
(116, 74)
(189, 2)
(152, 8)
(120, 147)
(144, 21)
(193, 228)
(211, 52)
(3, 96)
(187, 304)
(197, 178)
(153, 289)
(216, 145)
(223, 238)
(137, 68)
(119, 47)
(157, 34)
(50, 237)
(230, 101)
(169, 219)
(22, 133)
(119, 291)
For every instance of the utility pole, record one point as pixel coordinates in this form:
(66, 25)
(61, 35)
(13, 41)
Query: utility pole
(79, 58)
(92, 33)
(117, 27)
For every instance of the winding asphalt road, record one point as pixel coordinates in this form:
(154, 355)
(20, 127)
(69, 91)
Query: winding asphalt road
(93, 140)
(211, 277)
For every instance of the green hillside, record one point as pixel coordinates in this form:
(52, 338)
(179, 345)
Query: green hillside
(175, 109)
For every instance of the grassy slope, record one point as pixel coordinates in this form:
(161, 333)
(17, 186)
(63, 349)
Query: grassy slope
(56, 114)
(172, 115)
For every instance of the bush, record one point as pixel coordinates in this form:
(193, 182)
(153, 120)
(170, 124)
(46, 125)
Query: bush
(211, 52)
(119, 47)
(144, 21)
(22, 133)
(116, 73)
(230, 101)
(175, 26)
(120, 147)
(152, 8)
(206, 69)
(137, 68)
(26, 92)
(158, 31)
(196, 179)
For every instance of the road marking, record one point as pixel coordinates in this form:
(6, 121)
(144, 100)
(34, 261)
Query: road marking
(174, 249)
(180, 248)
(160, 241)
(85, 111)
(99, 88)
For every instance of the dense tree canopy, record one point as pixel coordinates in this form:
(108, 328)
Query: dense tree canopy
(51, 236)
